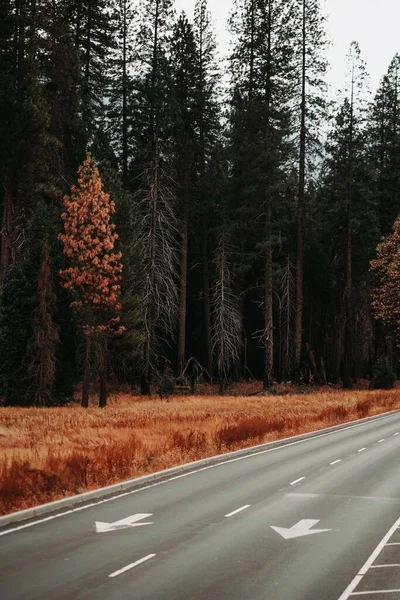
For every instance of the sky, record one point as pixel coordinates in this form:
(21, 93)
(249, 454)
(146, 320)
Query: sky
(374, 24)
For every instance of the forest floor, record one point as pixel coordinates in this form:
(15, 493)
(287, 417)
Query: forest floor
(50, 453)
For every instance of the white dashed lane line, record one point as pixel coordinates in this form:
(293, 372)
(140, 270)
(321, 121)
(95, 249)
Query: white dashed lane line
(379, 441)
(335, 462)
(297, 480)
(238, 510)
(361, 450)
(132, 565)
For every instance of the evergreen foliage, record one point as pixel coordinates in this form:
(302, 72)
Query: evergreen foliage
(244, 243)
(384, 376)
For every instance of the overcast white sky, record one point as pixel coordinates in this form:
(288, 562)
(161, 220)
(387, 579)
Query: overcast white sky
(373, 23)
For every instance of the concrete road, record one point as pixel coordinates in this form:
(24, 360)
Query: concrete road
(315, 519)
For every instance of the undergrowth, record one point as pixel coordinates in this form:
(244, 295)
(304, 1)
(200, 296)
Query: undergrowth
(47, 454)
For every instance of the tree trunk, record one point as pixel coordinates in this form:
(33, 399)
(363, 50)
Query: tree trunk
(323, 373)
(103, 375)
(268, 313)
(313, 364)
(151, 312)
(6, 232)
(389, 349)
(153, 120)
(182, 308)
(86, 374)
(268, 305)
(206, 303)
(124, 98)
(184, 263)
(337, 347)
(348, 302)
(205, 205)
(348, 358)
(301, 210)
(78, 24)
(88, 53)
(252, 35)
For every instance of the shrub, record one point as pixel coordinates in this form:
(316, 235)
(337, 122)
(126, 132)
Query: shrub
(363, 407)
(384, 376)
(334, 413)
(250, 428)
(166, 385)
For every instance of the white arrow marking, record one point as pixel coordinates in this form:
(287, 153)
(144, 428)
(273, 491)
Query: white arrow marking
(131, 521)
(301, 528)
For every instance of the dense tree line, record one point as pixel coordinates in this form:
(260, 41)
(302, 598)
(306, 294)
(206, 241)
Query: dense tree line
(215, 230)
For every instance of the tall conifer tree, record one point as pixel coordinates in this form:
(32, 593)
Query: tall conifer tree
(309, 43)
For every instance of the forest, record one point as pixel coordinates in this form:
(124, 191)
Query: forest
(167, 217)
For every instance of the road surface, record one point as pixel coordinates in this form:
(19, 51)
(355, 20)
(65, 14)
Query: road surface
(315, 519)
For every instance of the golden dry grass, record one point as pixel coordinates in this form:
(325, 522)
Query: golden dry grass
(46, 454)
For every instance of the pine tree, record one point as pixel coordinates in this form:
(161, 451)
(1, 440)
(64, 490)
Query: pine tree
(155, 192)
(120, 99)
(310, 43)
(350, 204)
(209, 131)
(125, 350)
(61, 72)
(33, 369)
(384, 131)
(260, 131)
(95, 273)
(184, 73)
(92, 24)
(42, 346)
(24, 170)
(15, 331)
(153, 39)
(386, 302)
(7, 98)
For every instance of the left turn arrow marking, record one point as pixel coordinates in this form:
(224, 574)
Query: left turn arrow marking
(126, 523)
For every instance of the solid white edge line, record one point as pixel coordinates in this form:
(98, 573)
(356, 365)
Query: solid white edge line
(238, 510)
(175, 477)
(335, 462)
(361, 450)
(354, 583)
(297, 480)
(352, 586)
(379, 548)
(135, 564)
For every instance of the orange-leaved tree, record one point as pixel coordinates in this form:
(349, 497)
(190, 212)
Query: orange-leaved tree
(386, 300)
(94, 273)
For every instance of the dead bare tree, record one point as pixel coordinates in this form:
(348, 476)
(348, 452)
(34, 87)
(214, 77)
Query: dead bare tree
(287, 296)
(157, 244)
(225, 317)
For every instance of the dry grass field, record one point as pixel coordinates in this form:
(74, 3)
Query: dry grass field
(46, 454)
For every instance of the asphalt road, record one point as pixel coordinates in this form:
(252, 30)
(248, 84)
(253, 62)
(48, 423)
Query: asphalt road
(316, 519)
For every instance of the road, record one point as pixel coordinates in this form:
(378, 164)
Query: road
(316, 519)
